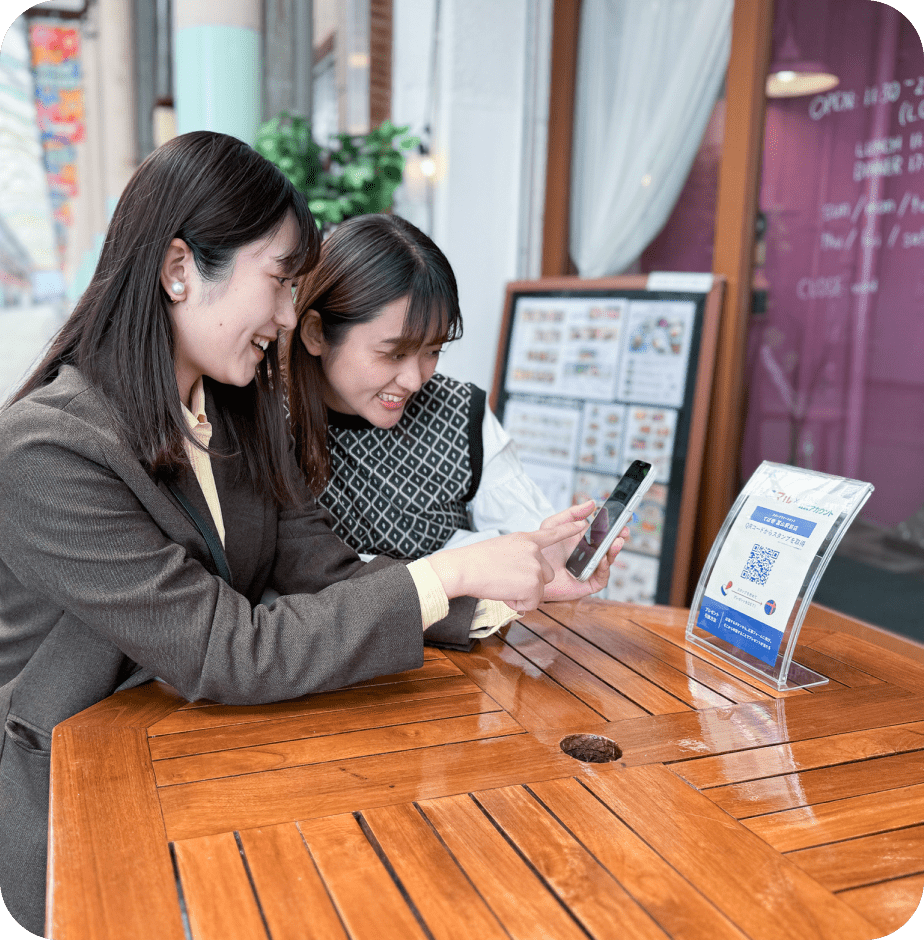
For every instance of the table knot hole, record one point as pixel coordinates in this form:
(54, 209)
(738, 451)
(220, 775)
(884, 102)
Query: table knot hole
(590, 748)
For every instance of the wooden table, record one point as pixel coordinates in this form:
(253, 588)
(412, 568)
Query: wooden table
(439, 804)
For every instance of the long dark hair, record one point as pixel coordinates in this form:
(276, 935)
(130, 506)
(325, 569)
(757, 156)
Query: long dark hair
(366, 263)
(217, 194)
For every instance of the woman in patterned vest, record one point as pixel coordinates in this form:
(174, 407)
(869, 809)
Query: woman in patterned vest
(408, 461)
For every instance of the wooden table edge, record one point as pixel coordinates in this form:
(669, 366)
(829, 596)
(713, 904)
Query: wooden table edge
(119, 722)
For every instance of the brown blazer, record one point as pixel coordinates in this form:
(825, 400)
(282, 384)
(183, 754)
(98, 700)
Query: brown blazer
(105, 583)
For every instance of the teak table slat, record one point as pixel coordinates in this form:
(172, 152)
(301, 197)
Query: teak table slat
(443, 804)
(852, 864)
(823, 785)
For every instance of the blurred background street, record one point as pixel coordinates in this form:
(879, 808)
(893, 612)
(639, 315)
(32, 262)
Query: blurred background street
(25, 330)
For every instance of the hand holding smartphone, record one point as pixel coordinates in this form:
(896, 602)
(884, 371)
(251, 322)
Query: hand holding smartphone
(608, 521)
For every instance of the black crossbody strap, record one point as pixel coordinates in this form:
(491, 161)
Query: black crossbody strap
(208, 533)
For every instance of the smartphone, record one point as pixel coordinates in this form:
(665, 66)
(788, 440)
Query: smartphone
(609, 519)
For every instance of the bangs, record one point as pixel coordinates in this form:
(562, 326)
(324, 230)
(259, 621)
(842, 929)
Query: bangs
(429, 321)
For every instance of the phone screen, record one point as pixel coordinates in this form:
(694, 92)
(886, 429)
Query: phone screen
(608, 516)
(616, 502)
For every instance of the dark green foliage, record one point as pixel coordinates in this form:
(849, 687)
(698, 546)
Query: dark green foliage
(355, 175)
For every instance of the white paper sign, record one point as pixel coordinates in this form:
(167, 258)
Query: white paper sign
(687, 281)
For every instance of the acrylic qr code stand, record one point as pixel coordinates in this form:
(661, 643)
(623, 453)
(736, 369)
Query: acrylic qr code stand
(775, 543)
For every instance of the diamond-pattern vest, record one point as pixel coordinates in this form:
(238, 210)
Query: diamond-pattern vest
(403, 491)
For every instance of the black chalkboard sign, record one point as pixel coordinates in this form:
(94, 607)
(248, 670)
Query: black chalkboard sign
(593, 374)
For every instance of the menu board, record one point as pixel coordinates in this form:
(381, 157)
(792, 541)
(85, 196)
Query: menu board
(592, 375)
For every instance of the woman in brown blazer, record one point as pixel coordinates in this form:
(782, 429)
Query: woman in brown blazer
(148, 495)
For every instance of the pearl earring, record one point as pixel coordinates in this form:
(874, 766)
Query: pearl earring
(177, 287)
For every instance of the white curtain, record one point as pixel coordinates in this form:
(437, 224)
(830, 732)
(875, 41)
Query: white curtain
(649, 74)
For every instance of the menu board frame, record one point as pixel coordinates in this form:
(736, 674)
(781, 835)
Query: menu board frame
(673, 582)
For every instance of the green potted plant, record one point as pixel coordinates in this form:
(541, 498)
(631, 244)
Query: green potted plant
(354, 175)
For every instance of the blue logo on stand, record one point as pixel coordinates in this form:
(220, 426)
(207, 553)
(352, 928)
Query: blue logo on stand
(769, 607)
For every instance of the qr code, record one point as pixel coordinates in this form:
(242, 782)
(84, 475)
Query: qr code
(760, 564)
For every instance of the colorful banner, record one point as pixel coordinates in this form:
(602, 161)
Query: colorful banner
(59, 107)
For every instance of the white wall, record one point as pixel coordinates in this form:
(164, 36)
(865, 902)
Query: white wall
(488, 127)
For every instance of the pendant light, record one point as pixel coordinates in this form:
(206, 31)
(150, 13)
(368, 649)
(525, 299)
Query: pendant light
(791, 75)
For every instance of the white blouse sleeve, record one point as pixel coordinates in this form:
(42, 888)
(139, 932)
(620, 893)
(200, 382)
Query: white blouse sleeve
(507, 500)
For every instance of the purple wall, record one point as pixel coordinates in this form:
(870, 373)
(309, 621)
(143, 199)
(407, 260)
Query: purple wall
(836, 363)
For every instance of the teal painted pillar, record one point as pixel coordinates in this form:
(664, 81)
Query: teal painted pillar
(217, 66)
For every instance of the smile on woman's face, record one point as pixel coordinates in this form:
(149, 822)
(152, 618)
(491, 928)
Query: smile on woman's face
(222, 329)
(364, 376)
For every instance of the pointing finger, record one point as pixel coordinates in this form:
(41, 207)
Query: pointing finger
(572, 513)
(545, 537)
